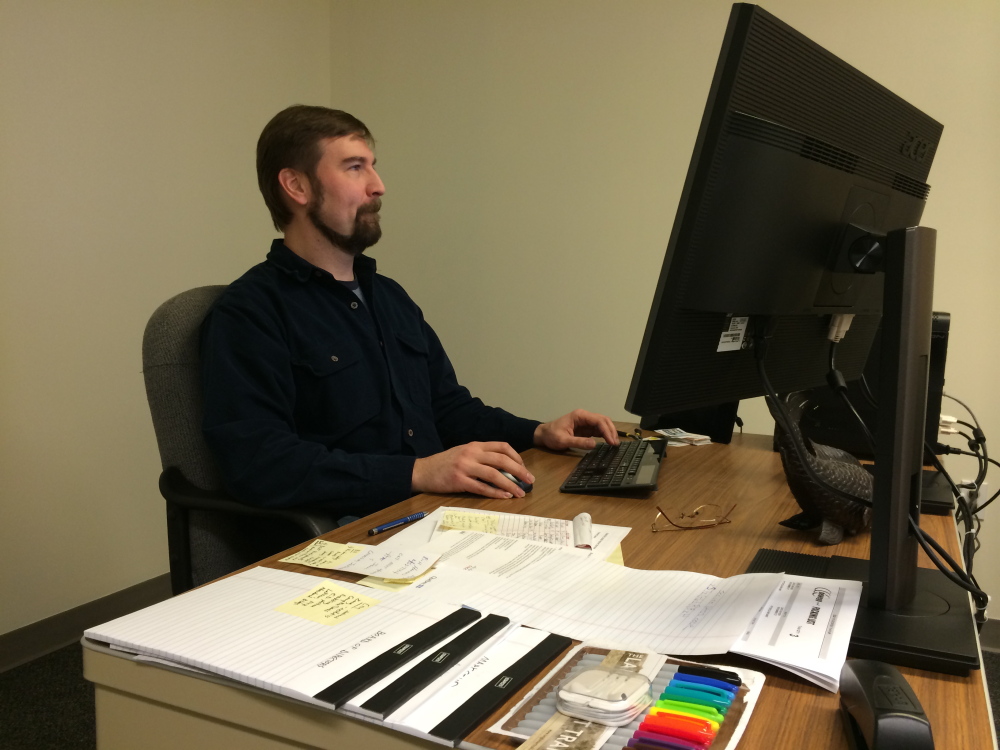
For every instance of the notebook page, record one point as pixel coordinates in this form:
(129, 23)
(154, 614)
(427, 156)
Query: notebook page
(231, 628)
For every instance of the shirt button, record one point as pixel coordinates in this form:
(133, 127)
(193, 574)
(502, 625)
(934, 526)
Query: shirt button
(410, 433)
(334, 358)
(354, 305)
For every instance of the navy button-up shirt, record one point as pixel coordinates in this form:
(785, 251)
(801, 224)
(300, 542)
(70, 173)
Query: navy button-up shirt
(313, 397)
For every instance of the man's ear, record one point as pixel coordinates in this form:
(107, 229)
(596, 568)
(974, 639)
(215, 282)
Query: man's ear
(296, 186)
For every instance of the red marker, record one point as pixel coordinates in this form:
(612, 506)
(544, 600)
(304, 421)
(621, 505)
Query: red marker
(674, 725)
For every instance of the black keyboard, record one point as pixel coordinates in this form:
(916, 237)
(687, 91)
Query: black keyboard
(631, 465)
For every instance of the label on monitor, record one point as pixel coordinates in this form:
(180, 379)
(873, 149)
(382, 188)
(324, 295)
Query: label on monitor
(734, 337)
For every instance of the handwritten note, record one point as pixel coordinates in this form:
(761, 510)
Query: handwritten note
(328, 555)
(327, 604)
(392, 563)
(387, 560)
(454, 519)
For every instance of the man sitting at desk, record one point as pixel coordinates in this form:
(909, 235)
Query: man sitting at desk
(323, 384)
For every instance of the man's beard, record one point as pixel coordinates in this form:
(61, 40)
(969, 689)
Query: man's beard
(367, 229)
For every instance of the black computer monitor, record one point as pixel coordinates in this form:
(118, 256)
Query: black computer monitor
(804, 171)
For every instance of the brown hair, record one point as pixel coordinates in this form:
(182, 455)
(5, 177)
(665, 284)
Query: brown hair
(291, 139)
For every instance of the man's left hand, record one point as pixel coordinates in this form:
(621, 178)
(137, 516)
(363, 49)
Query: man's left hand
(575, 430)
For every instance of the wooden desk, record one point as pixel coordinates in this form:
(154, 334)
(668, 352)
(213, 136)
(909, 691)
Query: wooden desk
(746, 473)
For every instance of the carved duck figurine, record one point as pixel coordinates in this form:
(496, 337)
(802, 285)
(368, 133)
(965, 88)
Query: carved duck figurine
(831, 513)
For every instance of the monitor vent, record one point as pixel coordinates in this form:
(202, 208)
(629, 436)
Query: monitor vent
(785, 78)
(830, 155)
(904, 184)
(809, 147)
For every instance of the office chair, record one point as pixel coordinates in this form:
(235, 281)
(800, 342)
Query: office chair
(209, 533)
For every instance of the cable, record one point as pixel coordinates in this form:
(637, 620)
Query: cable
(958, 576)
(959, 452)
(867, 392)
(784, 421)
(948, 395)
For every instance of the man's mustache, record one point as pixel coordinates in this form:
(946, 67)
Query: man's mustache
(370, 208)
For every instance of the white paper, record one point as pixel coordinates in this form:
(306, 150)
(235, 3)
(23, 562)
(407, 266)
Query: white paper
(583, 531)
(498, 556)
(591, 600)
(604, 539)
(805, 627)
(231, 628)
(388, 560)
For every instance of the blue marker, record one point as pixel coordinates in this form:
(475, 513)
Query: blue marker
(394, 524)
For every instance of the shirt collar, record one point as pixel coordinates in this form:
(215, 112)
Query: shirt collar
(302, 270)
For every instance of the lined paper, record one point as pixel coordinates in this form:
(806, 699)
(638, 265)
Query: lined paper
(591, 600)
(231, 628)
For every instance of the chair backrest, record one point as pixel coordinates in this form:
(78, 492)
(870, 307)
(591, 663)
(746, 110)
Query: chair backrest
(171, 369)
(206, 536)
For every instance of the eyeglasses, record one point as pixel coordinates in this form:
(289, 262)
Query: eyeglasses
(703, 517)
(636, 434)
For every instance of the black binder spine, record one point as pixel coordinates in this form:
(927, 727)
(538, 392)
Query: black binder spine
(465, 718)
(367, 675)
(423, 674)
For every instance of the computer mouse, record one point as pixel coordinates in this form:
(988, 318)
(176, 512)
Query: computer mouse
(526, 486)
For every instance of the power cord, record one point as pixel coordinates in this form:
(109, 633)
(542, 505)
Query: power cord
(931, 548)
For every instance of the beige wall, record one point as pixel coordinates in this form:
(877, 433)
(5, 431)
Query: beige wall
(533, 152)
(126, 175)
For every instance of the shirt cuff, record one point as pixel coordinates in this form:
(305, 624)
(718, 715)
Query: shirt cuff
(523, 434)
(392, 478)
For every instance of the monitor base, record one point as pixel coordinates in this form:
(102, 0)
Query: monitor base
(936, 632)
(936, 497)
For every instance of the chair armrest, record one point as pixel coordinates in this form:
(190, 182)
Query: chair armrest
(176, 489)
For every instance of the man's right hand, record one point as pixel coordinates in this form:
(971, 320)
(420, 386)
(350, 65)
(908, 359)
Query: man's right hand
(465, 468)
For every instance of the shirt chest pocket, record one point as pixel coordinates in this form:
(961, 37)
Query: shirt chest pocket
(336, 392)
(414, 373)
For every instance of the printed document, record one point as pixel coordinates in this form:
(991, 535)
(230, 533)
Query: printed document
(604, 539)
(805, 627)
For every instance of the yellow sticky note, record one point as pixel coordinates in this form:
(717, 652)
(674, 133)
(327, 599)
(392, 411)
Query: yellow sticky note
(328, 604)
(322, 554)
(616, 556)
(389, 584)
(454, 519)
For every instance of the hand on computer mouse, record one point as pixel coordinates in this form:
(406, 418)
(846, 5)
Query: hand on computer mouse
(526, 486)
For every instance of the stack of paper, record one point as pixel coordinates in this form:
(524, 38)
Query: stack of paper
(425, 668)
(677, 437)
(805, 627)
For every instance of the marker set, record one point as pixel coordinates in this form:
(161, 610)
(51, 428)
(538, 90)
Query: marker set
(693, 707)
(690, 709)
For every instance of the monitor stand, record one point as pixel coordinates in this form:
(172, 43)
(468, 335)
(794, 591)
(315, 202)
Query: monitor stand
(909, 616)
(936, 495)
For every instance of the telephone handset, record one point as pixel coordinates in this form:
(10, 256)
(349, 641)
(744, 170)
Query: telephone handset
(880, 710)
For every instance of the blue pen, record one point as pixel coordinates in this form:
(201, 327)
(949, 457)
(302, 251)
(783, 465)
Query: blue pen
(394, 524)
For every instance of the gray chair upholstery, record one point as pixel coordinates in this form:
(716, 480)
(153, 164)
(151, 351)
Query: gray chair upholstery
(208, 533)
